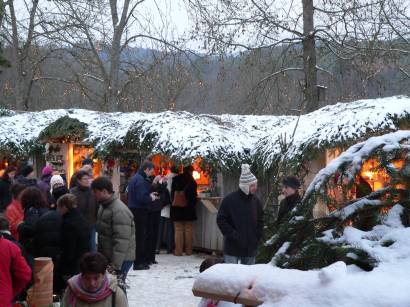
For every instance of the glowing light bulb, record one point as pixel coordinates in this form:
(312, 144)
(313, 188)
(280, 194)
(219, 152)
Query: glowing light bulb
(196, 175)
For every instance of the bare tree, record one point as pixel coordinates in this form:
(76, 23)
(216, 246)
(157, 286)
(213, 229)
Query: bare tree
(101, 35)
(347, 29)
(24, 34)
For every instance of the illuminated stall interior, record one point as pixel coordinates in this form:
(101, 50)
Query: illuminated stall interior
(202, 177)
(66, 158)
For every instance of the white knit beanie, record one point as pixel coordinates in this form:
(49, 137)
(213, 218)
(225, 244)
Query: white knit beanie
(246, 179)
(56, 181)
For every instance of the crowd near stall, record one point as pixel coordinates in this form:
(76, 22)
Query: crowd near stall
(48, 156)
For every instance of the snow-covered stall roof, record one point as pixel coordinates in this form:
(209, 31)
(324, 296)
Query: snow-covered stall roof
(340, 124)
(224, 139)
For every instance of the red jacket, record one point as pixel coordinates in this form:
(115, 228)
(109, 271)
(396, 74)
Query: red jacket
(15, 273)
(15, 215)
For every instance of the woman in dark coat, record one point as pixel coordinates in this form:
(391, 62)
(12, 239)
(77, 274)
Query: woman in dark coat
(183, 217)
(34, 206)
(5, 183)
(75, 237)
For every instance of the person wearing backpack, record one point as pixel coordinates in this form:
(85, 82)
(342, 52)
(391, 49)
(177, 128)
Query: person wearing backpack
(183, 214)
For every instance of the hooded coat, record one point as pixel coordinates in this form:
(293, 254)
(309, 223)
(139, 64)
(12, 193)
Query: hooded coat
(116, 232)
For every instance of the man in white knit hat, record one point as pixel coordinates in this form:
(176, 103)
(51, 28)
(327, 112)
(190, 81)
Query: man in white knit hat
(240, 219)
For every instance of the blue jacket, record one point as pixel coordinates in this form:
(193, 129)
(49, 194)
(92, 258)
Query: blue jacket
(139, 190)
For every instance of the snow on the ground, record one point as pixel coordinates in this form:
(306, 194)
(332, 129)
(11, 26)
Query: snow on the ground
(168, 283)
(336, 285)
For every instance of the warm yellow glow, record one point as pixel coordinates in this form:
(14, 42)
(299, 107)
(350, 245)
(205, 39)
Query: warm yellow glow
(196, 175)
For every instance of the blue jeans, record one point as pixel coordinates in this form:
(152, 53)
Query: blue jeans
(166, 222)
(93, 245)
(241, 260)
(126, 266)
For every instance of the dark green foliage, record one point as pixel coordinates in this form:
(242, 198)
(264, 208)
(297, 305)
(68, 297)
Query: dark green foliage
(65, 127)
(304, 235)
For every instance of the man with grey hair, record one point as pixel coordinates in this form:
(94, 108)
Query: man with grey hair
(240, 219)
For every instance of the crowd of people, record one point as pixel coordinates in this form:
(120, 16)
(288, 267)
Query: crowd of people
(47, 217)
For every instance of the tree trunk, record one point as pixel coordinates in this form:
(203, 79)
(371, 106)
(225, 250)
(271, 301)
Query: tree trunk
(311, 95)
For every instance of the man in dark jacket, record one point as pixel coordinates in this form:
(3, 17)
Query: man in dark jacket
(240, 219)
(140, 198)
(183, 217)
(290, 189)
(86, 204)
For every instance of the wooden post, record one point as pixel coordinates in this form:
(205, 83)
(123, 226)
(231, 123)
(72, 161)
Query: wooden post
(41, 294)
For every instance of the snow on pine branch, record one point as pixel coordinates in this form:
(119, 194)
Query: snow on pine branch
(342, 123)
(356, 155)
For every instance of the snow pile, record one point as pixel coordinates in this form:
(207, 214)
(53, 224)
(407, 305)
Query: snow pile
(335, 285)
(342, 123)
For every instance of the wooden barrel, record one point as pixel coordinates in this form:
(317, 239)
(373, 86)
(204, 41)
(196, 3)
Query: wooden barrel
(41, 294)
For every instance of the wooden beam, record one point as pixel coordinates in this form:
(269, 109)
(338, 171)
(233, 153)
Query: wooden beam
(243, 298)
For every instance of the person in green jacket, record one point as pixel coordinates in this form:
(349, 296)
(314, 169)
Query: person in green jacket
(115, 227)
(94, 286)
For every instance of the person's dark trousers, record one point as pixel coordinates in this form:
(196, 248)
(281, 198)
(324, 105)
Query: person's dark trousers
(152, 235)
(169, 226)
(141, 223)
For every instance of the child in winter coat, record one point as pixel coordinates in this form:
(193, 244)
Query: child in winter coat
(94, 286)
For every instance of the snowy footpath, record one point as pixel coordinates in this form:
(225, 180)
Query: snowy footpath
(168, 283)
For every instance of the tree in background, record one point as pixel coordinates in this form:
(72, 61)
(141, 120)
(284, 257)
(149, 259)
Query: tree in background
(346, 29)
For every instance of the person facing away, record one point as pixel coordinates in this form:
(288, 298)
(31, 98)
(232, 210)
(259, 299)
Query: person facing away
(34, 206)
(14, 212)
(290, 186)
(15, 273)
(94, 286)
(183, 217)
(140, 198)
(240, 219)
(75, 238)
(6, 181)
(115, 227)
(86, 204)
(44, 183)
(26, 175)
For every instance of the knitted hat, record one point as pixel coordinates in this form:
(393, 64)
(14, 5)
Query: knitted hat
(292, 182)
(47, 170)
(56, 181)
(246, 179)
(26, 170)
